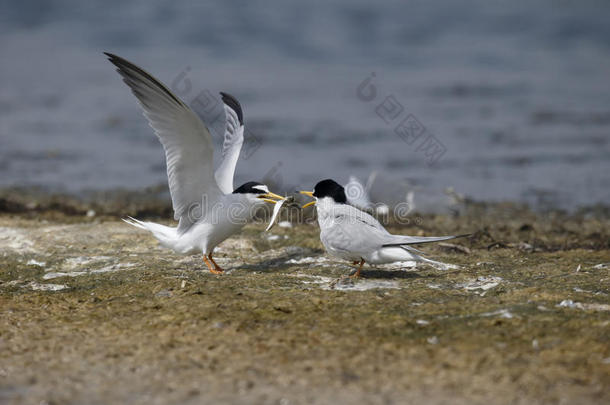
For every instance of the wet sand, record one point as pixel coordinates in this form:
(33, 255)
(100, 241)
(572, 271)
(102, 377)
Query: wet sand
(95, 312)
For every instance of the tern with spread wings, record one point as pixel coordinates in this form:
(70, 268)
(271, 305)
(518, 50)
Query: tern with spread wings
(207, 207)
(351, 234)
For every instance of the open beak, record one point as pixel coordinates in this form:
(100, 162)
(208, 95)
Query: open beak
(271, 197)
(310, 194)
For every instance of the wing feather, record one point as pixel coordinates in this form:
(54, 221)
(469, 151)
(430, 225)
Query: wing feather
(232, 143)
(189, 151)
(398, 240)
(356, 231)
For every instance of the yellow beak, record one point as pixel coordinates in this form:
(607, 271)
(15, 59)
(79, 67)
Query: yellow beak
(310, 194)
(271, 197)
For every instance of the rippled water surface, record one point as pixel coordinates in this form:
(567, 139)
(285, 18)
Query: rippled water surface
(499, 102)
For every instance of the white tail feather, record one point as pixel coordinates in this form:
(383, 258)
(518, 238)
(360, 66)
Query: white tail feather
(404, 253)
(133, 222)
(437, 265)
(164, 234)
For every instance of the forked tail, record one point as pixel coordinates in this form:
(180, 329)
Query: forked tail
(420, 256)
(165, 234)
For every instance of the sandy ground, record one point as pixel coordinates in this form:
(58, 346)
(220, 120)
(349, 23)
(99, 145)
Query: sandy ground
(93, 311)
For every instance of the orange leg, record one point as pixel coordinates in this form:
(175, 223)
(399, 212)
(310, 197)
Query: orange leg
(357, 273)
(213, 269)
(218, 268)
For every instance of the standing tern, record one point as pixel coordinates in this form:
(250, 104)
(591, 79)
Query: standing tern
(351, 234)
(205, 204)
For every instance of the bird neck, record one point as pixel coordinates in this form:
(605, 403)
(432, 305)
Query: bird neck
(326, 208)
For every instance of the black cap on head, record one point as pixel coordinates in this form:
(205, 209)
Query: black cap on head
(330, 188)
(252, 187)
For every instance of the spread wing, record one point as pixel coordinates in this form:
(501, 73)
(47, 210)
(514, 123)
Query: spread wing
(231, 146)
(186, 140)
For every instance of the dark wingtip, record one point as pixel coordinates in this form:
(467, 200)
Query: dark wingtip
(126, 69)
(118, 61)
(234, 105)
(114, 59)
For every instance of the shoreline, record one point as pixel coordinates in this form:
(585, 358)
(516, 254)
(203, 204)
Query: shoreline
(155, 202)
(96, 311)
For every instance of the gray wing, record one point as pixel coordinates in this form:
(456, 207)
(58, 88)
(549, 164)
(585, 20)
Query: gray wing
(231, 146)
(185, 139)
(356, 231)
(352, 230)
(344, 213)
(397, 240)
(352, 237)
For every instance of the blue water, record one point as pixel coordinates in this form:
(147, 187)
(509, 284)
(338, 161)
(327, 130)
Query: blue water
(501, 102)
